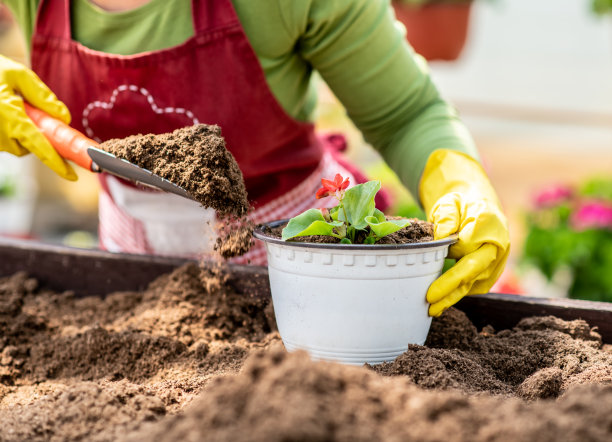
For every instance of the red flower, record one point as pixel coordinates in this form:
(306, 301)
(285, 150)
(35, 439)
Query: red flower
(331, 187)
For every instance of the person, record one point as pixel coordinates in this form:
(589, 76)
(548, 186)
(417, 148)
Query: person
(140, 66)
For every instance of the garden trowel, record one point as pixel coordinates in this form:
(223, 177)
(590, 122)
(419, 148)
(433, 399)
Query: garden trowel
(74, 146)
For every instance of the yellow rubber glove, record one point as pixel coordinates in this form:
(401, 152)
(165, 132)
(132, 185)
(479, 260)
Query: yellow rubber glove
(18, 134)
(458, 198)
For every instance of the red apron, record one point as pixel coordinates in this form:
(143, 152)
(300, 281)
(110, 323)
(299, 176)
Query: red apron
(214, 78)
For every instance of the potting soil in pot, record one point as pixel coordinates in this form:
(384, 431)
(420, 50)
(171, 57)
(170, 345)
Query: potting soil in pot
(189, 359)
(196, 159)
(417, 231)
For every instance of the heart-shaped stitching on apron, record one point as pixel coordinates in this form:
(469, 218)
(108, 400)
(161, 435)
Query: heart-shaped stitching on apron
(127, 88)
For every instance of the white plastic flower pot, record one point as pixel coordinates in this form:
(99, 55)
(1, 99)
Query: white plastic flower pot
(353, 304)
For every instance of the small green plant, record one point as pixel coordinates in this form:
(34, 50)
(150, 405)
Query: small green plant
(354, 220)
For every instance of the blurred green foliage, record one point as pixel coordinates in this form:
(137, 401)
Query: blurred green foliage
(423, 2)
(7, 187)
(602, 6)
(557, 238)
(599, 188)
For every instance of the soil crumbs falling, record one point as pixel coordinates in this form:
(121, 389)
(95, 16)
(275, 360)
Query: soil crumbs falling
(190, 359)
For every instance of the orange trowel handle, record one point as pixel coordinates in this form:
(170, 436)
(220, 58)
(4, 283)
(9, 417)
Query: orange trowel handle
(68, 142)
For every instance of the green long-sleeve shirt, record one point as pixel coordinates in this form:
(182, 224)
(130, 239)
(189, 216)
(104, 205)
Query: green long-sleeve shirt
(356, 46)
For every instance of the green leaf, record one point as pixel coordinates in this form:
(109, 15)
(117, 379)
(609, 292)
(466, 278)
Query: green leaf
(308, 223)
(379, 216)
(386, 227)
(350, 233)
(359, 203)
(334, 213)
(345, 241)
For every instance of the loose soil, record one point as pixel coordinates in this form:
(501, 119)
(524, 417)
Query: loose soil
(196, 159)
(190, 359)
(235, 238)
(417, 231)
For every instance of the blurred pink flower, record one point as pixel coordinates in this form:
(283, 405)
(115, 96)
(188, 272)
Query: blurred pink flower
(553, 196)
(592, 215)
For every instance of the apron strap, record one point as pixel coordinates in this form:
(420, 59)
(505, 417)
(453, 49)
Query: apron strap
(212, 14)
(53, 19)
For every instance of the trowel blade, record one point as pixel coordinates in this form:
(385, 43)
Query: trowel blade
(109, 163)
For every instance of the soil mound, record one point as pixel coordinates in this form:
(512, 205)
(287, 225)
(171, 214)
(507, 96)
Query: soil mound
(97, 353)
(187, 327)
(280, 397)
(98, 369)
(198, 305)
(15, 324)
(540, 358)
(85, 411)
(194, 158)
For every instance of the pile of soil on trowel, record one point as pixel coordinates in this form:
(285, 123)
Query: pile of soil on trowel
(194, 158)
(191, 359)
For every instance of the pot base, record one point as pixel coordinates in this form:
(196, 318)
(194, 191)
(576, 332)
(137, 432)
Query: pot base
(350, 356)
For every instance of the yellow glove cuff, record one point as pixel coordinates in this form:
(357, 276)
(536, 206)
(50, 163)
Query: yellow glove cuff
(449, 171)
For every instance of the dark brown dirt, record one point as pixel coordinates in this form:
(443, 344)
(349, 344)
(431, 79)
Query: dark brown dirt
(235, 239)
(130, 366)
(194, 158)
(281, 397)
(541, 357)
(92, 368)
(417, 231)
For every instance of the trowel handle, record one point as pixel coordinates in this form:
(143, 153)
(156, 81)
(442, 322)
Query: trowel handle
(68, 142)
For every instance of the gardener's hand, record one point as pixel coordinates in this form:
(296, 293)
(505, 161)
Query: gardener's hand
(18, 134)
(458, 198)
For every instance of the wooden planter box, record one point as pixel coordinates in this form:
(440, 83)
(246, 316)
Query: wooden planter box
(437, 31)
(92, 272)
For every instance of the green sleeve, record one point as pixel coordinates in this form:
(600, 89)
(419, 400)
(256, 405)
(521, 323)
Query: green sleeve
(361, 52)
(356, 45)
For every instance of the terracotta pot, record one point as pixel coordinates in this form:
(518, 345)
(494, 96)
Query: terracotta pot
(437, 31)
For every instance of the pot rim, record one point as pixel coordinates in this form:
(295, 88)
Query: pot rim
(259, 234)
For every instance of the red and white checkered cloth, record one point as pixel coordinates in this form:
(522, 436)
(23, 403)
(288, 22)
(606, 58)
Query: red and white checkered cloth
(118, 231)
